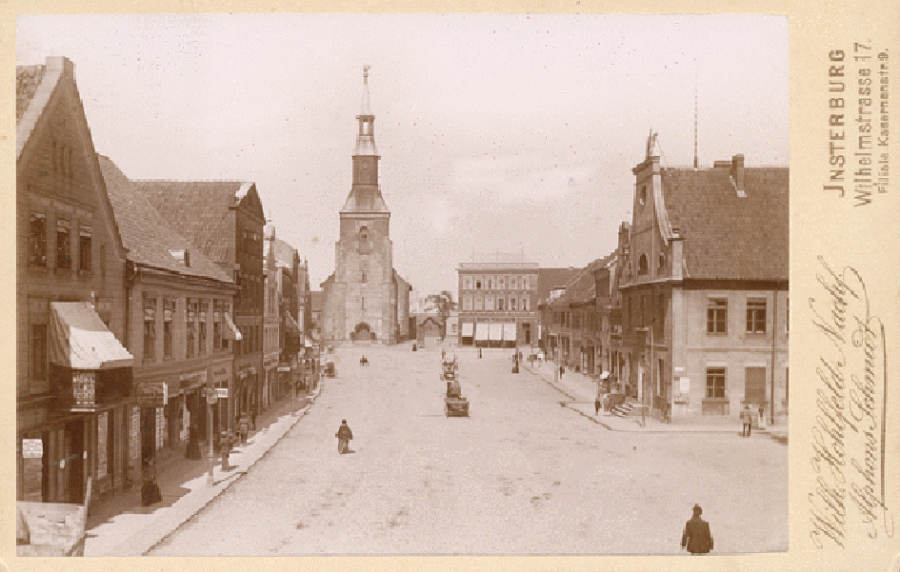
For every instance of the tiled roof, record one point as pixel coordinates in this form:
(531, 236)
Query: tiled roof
(551, 278)
(284, 253)
(581, 288)
(27, 80)
(727, 236)
(198, 210)
(146, 235)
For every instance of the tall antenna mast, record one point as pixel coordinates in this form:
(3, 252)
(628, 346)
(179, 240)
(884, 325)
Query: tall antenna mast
(696, 160)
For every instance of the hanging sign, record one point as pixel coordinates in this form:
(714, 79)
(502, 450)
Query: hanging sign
(152, 394)
(32, 448)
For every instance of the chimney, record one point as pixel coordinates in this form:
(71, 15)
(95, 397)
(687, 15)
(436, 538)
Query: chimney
(737, 173)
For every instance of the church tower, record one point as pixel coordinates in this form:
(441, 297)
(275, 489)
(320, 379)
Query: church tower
(360, 305)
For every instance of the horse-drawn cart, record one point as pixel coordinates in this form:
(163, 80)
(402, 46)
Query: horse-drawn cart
(52, 529)
(456, 406)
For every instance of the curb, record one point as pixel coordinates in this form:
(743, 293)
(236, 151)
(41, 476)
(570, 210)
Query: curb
(574, 401)
(145, 540)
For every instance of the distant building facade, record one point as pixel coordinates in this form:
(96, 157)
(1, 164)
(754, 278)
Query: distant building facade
(498, 301)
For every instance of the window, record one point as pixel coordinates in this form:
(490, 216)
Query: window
(500, 304)
(524, 283)
(217, 325)
(756, 316)
(467, 303)
(168, 315)
(63, 243)
(642, 195)
(478, 284)
(37, 240)
(201, 337)
(149, 328)
(39, 351)
(502, 283)
(524, 304)
(717, 316)
(84, 248)
(189, 325)
(489, 302)
(715, 382)
(512, 303)
(661, 268)
(479, 303)
(642, 264)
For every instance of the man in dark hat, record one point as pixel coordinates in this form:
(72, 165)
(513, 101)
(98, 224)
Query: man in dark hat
(697, 538)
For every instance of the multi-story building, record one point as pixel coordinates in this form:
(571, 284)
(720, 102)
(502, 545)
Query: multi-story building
(573, 321)
(224, 220)
(73, 375)
(704, 288)
(176, 328)
(498, 299)
(272, 319)
(292, 285)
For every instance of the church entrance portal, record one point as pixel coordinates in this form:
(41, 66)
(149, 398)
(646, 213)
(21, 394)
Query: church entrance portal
(362, 333)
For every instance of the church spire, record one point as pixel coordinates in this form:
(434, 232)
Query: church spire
(365, 140)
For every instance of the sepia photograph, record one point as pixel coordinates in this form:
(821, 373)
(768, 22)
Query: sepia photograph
(401, 284)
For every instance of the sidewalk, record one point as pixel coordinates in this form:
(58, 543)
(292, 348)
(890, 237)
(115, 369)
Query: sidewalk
(120, 526)
(581, 389)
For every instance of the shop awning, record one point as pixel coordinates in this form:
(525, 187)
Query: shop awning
(496, 332)
(80, 340)
(509, 332)
(291, 325)
(230, 331)
(481, 332)
(468, 328)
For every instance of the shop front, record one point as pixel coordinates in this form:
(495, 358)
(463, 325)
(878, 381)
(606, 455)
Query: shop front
(84, 433)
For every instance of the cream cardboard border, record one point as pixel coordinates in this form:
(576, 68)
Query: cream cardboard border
(865, 238)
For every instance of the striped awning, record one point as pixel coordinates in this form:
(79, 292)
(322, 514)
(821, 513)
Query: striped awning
(468, 329)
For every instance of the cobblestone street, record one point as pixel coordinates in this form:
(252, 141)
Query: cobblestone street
(522, 475)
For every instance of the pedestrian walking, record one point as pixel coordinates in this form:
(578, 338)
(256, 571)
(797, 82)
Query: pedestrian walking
(746, 420)
(696, 537)
(344, 435)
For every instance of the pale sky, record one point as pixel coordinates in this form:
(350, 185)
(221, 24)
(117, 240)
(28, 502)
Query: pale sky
(509, 133)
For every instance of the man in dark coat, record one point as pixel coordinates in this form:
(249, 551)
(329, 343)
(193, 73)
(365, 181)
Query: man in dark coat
(697, 538)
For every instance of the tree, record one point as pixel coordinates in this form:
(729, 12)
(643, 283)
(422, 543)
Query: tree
(444, 304)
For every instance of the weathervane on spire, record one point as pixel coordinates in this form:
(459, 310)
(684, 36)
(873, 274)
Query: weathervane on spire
(366, 73)
(652, 151)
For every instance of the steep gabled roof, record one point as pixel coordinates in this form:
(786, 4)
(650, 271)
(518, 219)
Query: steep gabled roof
(552, 278)
(581, 288)
(200, 210)
(284, 254)
(147, 236)
(727, 236)
(41, 89)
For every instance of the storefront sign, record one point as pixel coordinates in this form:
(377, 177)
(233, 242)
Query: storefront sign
(152, 394)
(222, 392)
(32, 448)
(192, 380)
(284, 369)
(684, 384)
(220, 374)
